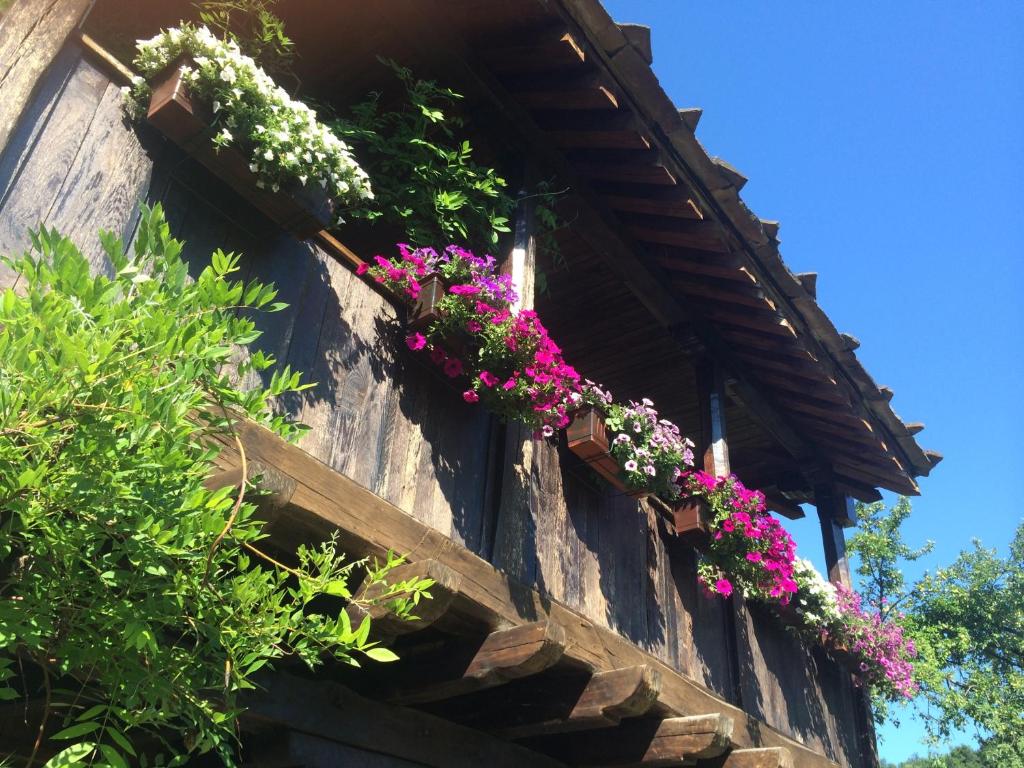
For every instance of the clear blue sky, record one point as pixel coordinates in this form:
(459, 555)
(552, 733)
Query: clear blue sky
(888, 138)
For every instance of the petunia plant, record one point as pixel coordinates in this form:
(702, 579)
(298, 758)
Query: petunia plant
(650, 450)
(282, 138)
(508, 360)
(750, 550)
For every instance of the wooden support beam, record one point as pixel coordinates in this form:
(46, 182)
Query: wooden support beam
(274, 489)
(606, 699)
(681, 233)
(675, 205)
(835, 511)
(610, 139)
(712, 449)
(335, 713)
(505, 655)
(769, 757)
(384, 624)
(706, 292)
(563, 54)
(672, 741)
(629, 173)
(568, 98)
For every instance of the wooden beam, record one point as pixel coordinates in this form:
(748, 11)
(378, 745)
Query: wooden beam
(683, 233)
(691, 117)
(835, 511)
(624, 139)
(770, 757)
(384, 623)
(505, 655)
(667, 742)
(676, 205)
(605, 701)
(32, 32)
(707, 292)
(335, 713)
(554, 56)
(569, 98)
(712, 448)
(629, 173)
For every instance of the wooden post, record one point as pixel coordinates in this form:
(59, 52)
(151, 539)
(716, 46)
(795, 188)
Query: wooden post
(712, 448)
(835, 509)
(515, 528)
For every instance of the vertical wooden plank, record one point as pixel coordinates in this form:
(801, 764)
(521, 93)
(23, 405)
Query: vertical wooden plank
(107, 180)
(34, 179)
(32, 33)
(516, 528)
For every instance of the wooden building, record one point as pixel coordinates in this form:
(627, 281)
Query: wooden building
(567, 627)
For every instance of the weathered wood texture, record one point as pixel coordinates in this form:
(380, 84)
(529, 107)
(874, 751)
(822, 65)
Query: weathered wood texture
(398, 429)
(31, 34)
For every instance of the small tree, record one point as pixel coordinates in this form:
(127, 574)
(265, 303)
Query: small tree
(967, 621)
(135, 603)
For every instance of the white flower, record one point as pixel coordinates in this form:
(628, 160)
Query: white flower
(225, 136)
(228, 74)
(216, 106)
(268, 155)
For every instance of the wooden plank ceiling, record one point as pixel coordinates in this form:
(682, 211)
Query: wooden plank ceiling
(688, 238)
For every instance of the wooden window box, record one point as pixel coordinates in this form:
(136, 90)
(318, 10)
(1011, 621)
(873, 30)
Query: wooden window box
(188, 121)
(424, 309)
(691, 521)
(587, 437)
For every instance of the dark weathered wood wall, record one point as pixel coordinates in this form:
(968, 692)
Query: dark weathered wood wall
(74, 163)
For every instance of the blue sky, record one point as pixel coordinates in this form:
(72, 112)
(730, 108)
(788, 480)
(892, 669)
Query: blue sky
(888, 138)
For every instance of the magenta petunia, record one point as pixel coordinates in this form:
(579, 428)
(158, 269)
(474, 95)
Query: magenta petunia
(470, 396)
(363, 268)
(488, 379)
(416, 341)
(452, 367)
(464, 290)
(723, 587)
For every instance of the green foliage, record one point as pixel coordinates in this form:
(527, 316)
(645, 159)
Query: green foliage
(136, 603)
(880, 549)
(958, 757)
(256, 29)
(969, 618)
(967, 621)
(426, 182)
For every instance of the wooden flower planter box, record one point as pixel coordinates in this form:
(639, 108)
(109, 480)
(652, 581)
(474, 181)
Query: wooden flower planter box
(691, 521)
(843, 655)
(424, 310)
(587, 437)
(187, 121)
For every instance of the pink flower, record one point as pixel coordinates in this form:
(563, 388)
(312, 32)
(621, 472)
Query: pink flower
(723, 587)
(547, 430)
(416, 341)
(470, 396)
(509, 384)
(452, 367)
(488, 379)
(363, 268)
(461, 290)
(473, 326)
(754, 557)
(437, 355)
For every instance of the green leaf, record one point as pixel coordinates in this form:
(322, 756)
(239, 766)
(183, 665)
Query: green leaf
(381, 654)
(73, 732)
(76, 753)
